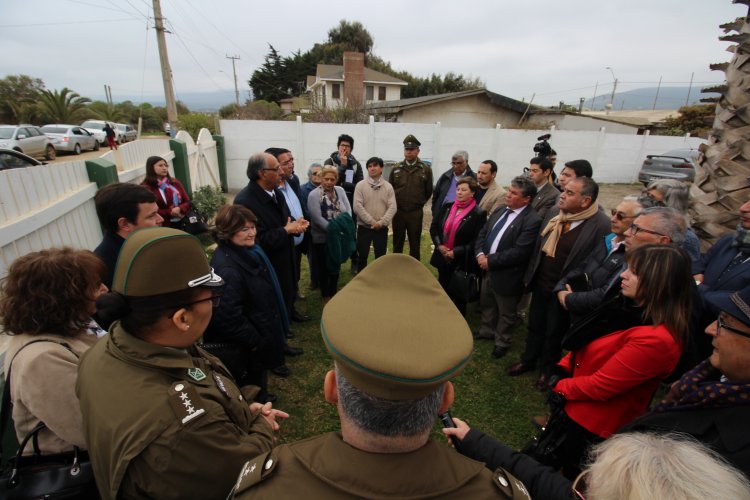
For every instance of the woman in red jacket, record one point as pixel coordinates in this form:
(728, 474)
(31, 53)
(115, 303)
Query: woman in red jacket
(615, 376)
(171, 198)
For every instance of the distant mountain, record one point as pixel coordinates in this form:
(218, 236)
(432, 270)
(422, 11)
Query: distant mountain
(195, 101)
(669, 98)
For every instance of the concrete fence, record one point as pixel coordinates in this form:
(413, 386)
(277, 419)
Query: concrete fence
(616, 157)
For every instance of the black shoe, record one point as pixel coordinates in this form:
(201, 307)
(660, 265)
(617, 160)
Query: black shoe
(299, 317)
(282, 371)
(475, 335)
(519, 368)
(499, 352)
(293, 351)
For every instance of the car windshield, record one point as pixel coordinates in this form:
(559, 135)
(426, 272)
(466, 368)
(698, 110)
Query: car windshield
(121, 127)
(48, 129)
(683, 153)
(95, 125)
(6, 132)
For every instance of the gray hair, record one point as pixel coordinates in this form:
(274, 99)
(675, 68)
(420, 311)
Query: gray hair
(463, 154)
(642, 465)
(383, 417)
(676, 193)
(315, 164)
(525, 184)
(255, 164)
(669, 222)
(634, 199)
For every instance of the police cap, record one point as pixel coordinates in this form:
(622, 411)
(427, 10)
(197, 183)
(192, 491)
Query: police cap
(411, 142)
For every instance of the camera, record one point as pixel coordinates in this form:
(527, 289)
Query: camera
(542, 148)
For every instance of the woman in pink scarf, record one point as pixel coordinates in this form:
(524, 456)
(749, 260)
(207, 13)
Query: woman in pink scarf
(171, 198)
(453, 230)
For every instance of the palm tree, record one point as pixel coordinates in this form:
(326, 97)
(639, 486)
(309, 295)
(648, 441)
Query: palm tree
(721, 181)
(64, 106)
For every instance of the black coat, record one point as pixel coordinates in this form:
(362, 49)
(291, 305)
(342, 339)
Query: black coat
(248, 312)
(463, 243)
(278, 245)
(441, 188)
(508, 264)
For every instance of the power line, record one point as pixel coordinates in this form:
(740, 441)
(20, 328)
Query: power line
(67, 23)
(114, 8)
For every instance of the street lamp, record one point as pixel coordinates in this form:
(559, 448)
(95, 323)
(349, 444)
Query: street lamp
(614, 87)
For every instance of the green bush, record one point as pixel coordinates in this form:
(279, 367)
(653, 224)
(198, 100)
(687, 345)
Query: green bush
(208, 199)
(192, 123)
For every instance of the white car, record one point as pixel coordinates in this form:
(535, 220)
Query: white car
(71, 138)
(27, 139)
(96, 127)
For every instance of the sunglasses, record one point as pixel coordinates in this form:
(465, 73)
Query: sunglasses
(720, 324)
(635, 229)
(620, 215)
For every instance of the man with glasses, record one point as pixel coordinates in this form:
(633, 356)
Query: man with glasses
(710, 402)
(585, 288)
(275, 226)
(656, 225)
(540, 171)
(489, 194)
(445, 187)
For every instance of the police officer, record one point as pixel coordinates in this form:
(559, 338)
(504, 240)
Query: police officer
(388, 388)
(412, 181)
(163, 418)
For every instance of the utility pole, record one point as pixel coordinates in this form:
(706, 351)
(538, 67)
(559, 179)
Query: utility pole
(690, 87)
(657, 94)
(593, 99)
(236, 90)
(166, 72)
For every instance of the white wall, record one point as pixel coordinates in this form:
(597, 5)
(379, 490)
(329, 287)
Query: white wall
(616, 158)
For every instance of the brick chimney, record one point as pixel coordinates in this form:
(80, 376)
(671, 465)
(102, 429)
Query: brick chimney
(354, 78)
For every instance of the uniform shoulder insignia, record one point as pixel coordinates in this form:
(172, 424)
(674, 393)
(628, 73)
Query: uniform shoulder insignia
(254, 471)
(186, 402)
(509, 485)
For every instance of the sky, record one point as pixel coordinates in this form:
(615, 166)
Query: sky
(549, 50)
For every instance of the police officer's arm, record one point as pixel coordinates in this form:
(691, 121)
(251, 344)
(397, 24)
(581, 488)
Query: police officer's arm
(428, 184)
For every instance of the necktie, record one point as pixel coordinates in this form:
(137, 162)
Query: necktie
(495, 231)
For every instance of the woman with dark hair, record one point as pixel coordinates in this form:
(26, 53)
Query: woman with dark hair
(247, 329)
(612, 378)
(171, 198)
(453, 232)
(163, 418)
(46, 303)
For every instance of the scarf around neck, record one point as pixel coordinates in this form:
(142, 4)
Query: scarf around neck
(168, 191)
(375, 183)
(454, 220)
(329, 208)
(555, 226)
(742, 239)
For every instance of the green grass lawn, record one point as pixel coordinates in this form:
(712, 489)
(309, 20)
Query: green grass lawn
(485, 396)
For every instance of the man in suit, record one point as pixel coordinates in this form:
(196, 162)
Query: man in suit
(540, 171)
(290, 188)
(503, 249)
(275, 228)
(445, 187)
(570, 232)
(489, 194)
(725, 268)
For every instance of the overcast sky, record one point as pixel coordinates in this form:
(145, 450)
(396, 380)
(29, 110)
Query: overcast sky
(557, 50)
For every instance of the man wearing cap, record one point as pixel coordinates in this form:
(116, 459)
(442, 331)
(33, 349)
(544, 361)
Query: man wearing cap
(388, 389)
(162, 417)
(412, 182)
(711, 401)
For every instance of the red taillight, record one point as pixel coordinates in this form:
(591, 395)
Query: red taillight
(683, 165)
(647, 162)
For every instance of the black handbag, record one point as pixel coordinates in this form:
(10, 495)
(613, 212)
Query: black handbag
(464, 285)
(193, 222)
(55, 476)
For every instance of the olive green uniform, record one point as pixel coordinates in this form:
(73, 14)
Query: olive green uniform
(413, 187)
(326, 467)
(164, 422)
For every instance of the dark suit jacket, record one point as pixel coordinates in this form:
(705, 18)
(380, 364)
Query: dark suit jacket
(441, 188)
(508, 263)
(545, 199)
(593, 231)
(278, 245)
(463, 244)
(713, 264)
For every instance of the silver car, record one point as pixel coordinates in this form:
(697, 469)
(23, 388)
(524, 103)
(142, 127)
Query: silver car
(675, 164)
(10, 158)
(71, 138)
(27, 139)
(125, 133)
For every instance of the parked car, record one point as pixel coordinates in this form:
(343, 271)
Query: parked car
(71, 138)
(125, 133)
(10, 158)
(96, 128)
(675, 164)
(27, 139)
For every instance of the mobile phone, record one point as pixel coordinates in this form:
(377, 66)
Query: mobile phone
(447, 420)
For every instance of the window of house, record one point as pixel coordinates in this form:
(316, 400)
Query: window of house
(369, 93)
(336, 91)
(381, 93)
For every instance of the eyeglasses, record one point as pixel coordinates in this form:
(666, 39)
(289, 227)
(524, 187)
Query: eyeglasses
(620, 215)
(579, 485)
(720, 325)
(635, 229)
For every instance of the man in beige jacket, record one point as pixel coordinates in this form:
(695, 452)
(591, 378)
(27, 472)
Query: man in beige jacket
(490, 195)
(374, 206)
